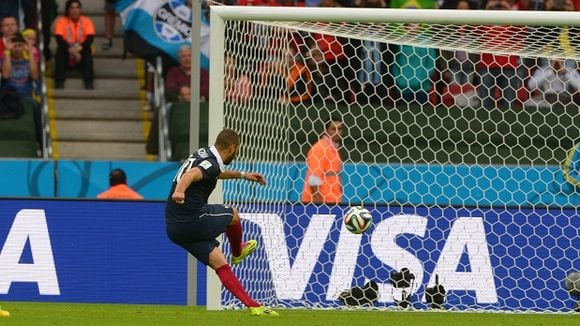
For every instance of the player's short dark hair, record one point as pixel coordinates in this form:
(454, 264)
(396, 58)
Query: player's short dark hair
(117, 177)
(227, 137)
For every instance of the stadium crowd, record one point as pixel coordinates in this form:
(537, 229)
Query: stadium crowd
(325, 67)
(320, 67)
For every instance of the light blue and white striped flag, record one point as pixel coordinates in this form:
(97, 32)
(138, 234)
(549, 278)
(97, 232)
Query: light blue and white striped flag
(159, 28)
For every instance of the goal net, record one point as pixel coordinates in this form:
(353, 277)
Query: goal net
(461, 132)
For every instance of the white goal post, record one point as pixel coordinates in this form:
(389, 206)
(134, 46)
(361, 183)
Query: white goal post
(464, 168)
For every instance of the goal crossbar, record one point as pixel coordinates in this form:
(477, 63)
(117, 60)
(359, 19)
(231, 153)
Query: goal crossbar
(428, 16)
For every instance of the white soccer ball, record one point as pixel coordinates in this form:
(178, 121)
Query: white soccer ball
(358, 219)
(572, 283)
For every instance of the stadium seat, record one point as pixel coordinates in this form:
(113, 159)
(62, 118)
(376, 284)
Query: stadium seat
(17, 149)
(179, 129)
(18, 136)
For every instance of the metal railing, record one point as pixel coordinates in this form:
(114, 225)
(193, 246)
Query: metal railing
(162, 110)
(44, 117)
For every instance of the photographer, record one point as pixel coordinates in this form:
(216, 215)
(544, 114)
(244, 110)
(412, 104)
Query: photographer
(17, 70)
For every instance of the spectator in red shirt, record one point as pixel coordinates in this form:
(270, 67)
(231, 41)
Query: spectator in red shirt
(237, 84)
(499, 70)
(565, 5)
(334, 50)
(178, 78)
(8, 28)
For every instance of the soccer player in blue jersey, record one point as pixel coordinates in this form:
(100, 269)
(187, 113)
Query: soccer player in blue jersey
(194, 224)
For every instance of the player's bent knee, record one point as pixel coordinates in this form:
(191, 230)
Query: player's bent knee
(217, 259)
(236, 216)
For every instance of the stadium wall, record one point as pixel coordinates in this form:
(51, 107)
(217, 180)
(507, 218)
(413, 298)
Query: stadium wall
(445, 185)
(82, 179)
(421, 184)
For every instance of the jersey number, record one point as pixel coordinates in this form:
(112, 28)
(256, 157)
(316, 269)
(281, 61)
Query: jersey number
(183, 168)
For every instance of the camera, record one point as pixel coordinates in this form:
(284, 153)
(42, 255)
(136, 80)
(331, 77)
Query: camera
(435, 295)
(402, 279)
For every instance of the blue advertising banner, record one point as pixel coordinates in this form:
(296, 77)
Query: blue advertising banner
(86, 179)
(496, 259)
(421, 184)
(27, 178)
(82, 179)
(443, 185)
(102, 251)
(89, 251)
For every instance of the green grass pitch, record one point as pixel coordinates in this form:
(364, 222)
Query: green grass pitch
(28, 313)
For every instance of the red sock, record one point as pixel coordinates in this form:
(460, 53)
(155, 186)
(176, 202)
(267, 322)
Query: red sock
(234, 233)
(231, 282)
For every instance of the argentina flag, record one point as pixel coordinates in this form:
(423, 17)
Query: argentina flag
(159, 28)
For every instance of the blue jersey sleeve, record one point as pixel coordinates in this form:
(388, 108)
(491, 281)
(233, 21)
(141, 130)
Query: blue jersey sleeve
(209, 168)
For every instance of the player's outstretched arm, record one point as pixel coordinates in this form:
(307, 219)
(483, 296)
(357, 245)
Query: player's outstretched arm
(250, 176)
(256, 177)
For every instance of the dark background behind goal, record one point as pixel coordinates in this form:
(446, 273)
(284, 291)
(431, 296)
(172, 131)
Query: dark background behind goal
(420, 134)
